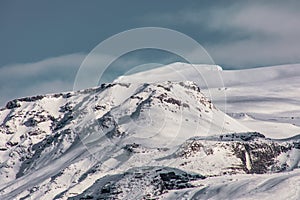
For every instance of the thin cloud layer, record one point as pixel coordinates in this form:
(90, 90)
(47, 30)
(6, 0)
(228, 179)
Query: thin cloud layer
(62, 73)
(47, 76)
(248, 34)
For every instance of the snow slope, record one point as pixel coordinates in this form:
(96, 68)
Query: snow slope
(157, 140)
(267, 96)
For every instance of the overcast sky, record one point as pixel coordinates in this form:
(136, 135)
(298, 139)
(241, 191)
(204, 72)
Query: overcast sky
(42, 44)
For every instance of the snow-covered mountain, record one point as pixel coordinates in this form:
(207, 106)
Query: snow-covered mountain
(266, 95)
(140, 140)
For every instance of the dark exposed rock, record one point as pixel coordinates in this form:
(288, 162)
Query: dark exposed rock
(136, 97)
(173, 101)
(58, 124)
(87, 197)
(106, 188)
(154, 181)
(164, 87)
(192, 86)
(297, 145)
(12, 104)
(57, 95)
(161, 97)
(107, 85)
(35, 132)
(10, 143)
(66, 108)
(67, 95)
(262, 153)
(30, 122)
(172, 181)
(38, 148)
(100, 107)
(127, 85)
(248, 136)
(33, 98)
(131, 147)
(251, 136)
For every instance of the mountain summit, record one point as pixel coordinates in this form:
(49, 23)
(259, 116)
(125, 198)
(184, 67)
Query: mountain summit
(129, 141)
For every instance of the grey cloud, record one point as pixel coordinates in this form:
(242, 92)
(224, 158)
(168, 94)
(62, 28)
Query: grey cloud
(275, 34)
(255, 33)
(47, 76)
(60, 74)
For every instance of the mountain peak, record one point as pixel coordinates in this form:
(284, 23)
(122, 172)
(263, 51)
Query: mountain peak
(168, 133)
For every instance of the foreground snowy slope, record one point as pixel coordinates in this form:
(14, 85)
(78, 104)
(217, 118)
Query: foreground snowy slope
(162, 140)
(39, 134)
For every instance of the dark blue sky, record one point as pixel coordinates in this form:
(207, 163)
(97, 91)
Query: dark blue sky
(49, 39)
(36, 30)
